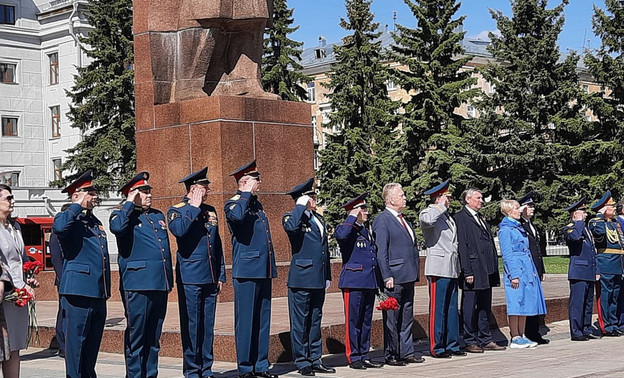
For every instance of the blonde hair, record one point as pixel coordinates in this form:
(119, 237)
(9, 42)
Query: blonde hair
(388, 189)
(508, 205)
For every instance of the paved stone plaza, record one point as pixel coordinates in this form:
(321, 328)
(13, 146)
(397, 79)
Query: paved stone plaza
(561, 358)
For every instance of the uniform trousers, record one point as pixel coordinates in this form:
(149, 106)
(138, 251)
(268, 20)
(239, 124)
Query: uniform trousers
(252, 319)
(358, 309)
(476, 308)
(197, 304)
(60, 327)
(398, 340)
(305, 308)
(84, 319)
(607, 293)
(145, 314)
(580, 308)
(620, 311)
(443, 315)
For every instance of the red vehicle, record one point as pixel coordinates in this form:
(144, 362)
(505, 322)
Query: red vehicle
(36, 232)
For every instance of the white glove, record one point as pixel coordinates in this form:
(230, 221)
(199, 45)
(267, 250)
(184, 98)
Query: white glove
(327, 283)
(303, 200)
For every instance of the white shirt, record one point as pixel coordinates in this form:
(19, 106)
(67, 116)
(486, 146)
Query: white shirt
(476, 216)
(402, 221)
(317, 221)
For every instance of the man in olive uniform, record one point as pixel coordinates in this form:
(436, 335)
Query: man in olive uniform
(200, 272)
(253, 268)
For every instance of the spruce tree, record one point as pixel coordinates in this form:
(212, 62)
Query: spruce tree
(102, 106)
(432, 57)
(531, 133)
(362, 156)
(607, 69)
(280, 63)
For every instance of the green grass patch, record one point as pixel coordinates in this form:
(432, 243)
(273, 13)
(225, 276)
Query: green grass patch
(553, 264)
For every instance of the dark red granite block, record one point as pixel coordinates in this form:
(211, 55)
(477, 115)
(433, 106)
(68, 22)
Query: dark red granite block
(144, 99)
(140, 15)
(142, 54)
(167, 115)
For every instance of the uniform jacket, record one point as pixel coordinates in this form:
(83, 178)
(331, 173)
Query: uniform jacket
(583, 262)
(12, 256)
(440, 233)
(252, 247)
(310, 266)
(143, 244)
(56, 255)
(397, 253)
(535, 246)
(477, 253)
(607, 239)
(359, 256)
(200, 253)
(86, 268)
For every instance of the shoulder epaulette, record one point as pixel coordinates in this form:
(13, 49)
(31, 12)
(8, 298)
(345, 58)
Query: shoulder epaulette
(571, 224)
(235, 198)
(178, 205)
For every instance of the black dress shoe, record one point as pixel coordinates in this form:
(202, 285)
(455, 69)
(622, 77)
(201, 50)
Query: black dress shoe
(265, 374)
(591, 336)
(541, 341)
(442, 355)
(459, 353)
(613, 333)
(395, 362)
(307, 371)
(473, 348)
(61, 353)
(247, 375)
(323, 369)
(359, 365)
(372, 364)
(414, 360)
(579, 338)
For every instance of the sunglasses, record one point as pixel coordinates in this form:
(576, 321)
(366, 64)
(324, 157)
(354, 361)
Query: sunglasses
(9, 198)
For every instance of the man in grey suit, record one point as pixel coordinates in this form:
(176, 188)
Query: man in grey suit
(397, 256)
(442, 270)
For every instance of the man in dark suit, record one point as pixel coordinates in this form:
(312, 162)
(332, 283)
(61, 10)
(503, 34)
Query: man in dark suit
(479, 273)
(200, 272)
(146, 275)
(308, 278)
(56, 255)
(85, 281)
(583, 272)
(253, 268)
(397, 256)
(358, 281)
(537, 248)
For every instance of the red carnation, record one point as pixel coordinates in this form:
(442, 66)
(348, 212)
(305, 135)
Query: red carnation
(387, 303)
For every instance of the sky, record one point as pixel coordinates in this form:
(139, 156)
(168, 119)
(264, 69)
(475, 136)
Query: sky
(322, 18)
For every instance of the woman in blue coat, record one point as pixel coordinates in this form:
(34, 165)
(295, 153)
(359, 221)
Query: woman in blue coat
(523, 289)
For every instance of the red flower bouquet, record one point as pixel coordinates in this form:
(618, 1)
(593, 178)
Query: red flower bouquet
(20, 297)
(32, 268)
(387, 303)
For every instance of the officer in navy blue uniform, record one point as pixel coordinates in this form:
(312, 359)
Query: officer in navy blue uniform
(146, 276)
(253, 268)
(607, 237)
(537, 247)
(358, 281)
(85, 281)
(200, 272)
(56, 255)
(308, 278)
(583, 272)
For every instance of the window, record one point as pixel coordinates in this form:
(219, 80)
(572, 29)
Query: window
(315, 138)
(7, 14)
(320, 53)
(390, 85)
(586, 89)
(56, 166)
(56, 121)
(9, 126)
(471, 111)
(7, 73)
(54, 73)
(311, 92)
(9, 178)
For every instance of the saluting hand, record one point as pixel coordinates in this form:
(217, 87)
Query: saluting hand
(132, 196)
(79, 198)
(250, 184)
(355, 212)
(197, 196)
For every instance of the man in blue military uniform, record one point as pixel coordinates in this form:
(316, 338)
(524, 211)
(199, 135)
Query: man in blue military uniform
(583, 272)
(358, 281)
(85, 281)
(308, 278)
(607, 237)
(253, 268)
(537, 248)
(146, 276)
(442, 271)
(200, 272)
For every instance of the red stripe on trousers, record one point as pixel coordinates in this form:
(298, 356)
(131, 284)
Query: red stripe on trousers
(432, 308)
(600, 320)
(347, 336)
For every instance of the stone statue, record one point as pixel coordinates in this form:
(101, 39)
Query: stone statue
(205, 48)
